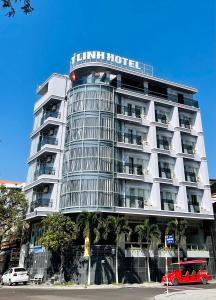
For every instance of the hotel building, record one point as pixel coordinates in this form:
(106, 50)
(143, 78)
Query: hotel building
(113, 138)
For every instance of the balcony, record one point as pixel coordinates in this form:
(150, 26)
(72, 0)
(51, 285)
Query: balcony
(47, 140)
(165, 173)
(169, 97)
(190, 176)
(194, 208)
(129, 138)
(40, 202)
(127, 168)
(163, 144)
(129, 110)
(167, 204)
(129, 201)
(161, 118)
(50, 114)
(44, 171)
(185, 123)
(188, 148)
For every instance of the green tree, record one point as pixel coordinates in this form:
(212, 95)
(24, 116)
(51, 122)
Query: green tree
(10, 5)
(151, 234)
(58, 235)
(116, 226)
(87, 223)
(178, 227)
(13, 208)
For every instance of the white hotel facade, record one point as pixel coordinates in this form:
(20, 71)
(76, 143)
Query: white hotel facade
(113, 138)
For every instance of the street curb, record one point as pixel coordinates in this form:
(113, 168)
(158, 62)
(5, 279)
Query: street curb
(83, 287)
(191, 293)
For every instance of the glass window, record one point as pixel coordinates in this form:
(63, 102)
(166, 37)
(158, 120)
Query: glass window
(129, 109)
(138, 111)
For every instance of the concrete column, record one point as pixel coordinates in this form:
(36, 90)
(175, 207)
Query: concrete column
(176, 142)
(153, 165)
(155, 198)
(205, 203)
(151, 112)
(179, 169)
(175, 117)
(203, 172)
(198, 122)
(200, 147)
(181, 200)
(151, 138)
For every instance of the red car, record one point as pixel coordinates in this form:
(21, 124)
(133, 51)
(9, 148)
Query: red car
(188, 271)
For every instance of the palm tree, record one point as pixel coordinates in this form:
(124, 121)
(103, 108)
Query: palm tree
(86, 221)
(151, 234)
(178, 227)
(58, 235)
(116, 226)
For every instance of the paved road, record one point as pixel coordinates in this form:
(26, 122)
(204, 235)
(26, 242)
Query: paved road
(130, 293)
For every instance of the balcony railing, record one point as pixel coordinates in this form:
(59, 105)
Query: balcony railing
(136, 169)
(169, 97)
(40, 202)
(52, 114)
(129, 138)
(44, 171)
(125, 110)
(129, 201)
(47, 140)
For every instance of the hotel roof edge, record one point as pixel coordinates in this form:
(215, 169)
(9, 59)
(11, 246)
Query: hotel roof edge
(48, 79)
(171, 83)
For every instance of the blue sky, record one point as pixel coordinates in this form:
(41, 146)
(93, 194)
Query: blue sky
(176, 37)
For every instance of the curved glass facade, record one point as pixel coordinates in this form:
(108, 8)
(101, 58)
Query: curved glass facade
(88, 165)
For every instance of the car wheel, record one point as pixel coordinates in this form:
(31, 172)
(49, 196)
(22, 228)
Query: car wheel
(16, 283)
(2, 282)
(204, 280)
(175, 282)
(24, 282)
(9, 282)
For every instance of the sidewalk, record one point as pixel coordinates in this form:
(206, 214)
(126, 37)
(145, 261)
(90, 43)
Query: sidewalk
(205, 294)
(93, 286)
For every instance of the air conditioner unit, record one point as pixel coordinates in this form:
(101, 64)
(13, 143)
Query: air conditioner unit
(51, 132)
(49, 159)
(54, 107)
(46, 189)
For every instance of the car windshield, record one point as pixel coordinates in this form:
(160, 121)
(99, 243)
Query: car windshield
(19, 270)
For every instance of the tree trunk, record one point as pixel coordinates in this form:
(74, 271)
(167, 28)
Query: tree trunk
(89, 267)
(62, 266)
(148, 268)
(116, 263)
(178, 253)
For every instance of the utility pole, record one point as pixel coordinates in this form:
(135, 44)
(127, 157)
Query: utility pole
(166, 265)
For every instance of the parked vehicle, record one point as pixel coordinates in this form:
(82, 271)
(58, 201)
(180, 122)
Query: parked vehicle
(14, 276)
(188, 272)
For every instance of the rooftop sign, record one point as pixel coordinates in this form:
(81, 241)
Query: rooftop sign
(110, 59)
